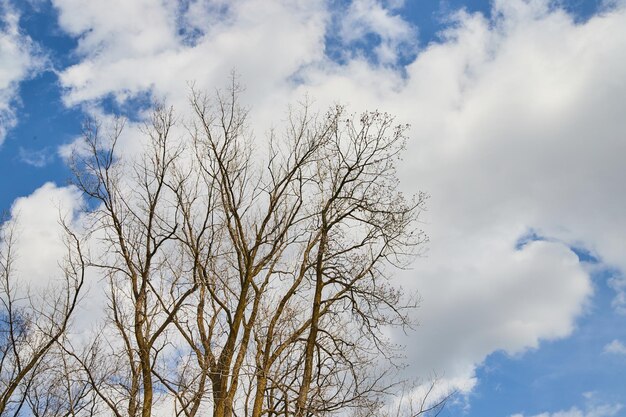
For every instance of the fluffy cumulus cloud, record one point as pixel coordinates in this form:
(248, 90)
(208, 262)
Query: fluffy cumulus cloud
(491, 297)
(40, 248)
(517, 129)
(132, 47)
(18, 59)
(39, 239)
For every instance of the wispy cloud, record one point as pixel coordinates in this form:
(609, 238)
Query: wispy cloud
(36, 157)
(604, 410)
(615, 347)
(618, 284)
(19, 59)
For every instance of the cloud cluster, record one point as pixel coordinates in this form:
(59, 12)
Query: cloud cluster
(517, 130)
(19, 58)
(133, 47)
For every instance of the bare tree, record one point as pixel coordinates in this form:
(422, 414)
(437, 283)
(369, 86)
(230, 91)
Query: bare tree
(31, 324)
(135, 222)
(59, 389)
(413, 400)
(243, 282)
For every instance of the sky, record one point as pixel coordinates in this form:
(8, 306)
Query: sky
(517, 133)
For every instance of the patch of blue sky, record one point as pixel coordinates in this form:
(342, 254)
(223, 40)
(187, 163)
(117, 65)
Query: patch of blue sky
(28, 156)
(432, 16)
(188, 33)
(530, 236)
(39, 131)
(340, 50)
(585, 255)
(40, 21)
(132, 106)
(429, 18)
(582, 10)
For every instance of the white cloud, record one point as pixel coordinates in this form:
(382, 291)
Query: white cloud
(40, 247)
(517, 126)
(36, 157)
(128, 48)
(618, 283)
(365, 17)
(18, 60)
(604, 410)
(492, 298)
(616, 347)
(39, 244)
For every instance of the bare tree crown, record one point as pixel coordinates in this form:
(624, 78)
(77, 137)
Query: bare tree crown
(244, 279)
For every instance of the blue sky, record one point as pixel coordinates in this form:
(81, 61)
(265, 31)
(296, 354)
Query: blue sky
(517, 133)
